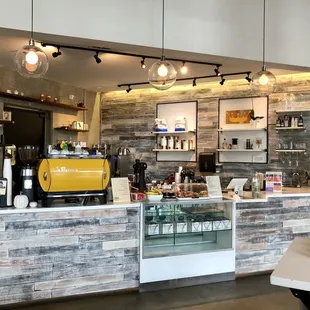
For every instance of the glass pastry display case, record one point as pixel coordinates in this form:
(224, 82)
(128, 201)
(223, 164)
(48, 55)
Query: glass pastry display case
(197, 235)
(180, 228)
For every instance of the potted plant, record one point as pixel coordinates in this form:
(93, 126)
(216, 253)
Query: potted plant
(254, 118)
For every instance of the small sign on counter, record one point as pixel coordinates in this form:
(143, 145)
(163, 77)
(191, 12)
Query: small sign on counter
(120, 190)
(273, 181)
(214, 187)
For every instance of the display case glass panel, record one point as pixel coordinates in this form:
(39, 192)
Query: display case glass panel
(176, 228)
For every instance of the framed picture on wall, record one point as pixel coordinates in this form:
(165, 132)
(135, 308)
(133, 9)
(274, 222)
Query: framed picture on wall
(7, 116)
(243, 130)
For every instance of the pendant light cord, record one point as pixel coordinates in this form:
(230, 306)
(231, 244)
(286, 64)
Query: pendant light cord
(264, 32)
(162, 31)
(31, 19)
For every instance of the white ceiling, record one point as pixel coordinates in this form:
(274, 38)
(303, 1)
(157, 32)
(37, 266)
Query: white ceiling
(78, 68)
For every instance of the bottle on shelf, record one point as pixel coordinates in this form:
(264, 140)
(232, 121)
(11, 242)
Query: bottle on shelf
(177, 143)
(170, 142)
(78, 148)
(163, 142)
(300, 121)
(224, 146)
(282, 123)
(286, 121)
(278, 124)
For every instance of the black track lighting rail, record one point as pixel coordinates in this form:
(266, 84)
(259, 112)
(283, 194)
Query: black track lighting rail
(194, 78)
(107, 51)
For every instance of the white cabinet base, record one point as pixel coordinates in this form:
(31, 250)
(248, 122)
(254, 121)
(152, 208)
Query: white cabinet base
(186, 266)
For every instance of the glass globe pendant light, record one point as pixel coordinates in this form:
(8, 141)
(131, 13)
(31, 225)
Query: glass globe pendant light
(264, 82)
(30, 60)
(162, 74)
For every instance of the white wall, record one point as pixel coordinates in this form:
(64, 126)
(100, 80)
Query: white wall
(216, 27)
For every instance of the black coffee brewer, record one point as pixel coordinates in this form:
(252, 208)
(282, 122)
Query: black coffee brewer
(28, 155)
(139, 171)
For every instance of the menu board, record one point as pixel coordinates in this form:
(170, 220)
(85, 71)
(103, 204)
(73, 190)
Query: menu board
(273, 181)
(120, 189)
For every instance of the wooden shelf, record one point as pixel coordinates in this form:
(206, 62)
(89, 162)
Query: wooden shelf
(47, 103)
(163, 133)
(71, 129)
(241, 150)
(291, 151)
(242, 129)
(160, 150)
(294, 112)
(291, 128)
(3, 121)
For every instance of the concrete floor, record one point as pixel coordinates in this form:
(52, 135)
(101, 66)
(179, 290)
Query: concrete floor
(253, 293)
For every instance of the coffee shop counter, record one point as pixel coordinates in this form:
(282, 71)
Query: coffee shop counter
(266, 226)
(63, 251)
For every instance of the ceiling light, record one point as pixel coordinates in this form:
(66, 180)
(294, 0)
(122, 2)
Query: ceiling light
(217, 71)
(183, 68)
(263, 82)
(30, 60)
(129, 89)
(96, 56)
(58, 53)
(194, 83)
(162, 75)
(248, 78)
(222, 81)
(143, 65)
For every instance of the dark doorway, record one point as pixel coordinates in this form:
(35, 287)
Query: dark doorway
(28, 129)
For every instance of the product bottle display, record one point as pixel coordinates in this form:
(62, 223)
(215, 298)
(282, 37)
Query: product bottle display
(300, 121)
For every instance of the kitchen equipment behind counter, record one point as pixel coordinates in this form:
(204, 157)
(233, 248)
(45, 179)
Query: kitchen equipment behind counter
(67, 178)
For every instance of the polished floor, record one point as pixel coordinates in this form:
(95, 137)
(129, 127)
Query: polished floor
(253, 293)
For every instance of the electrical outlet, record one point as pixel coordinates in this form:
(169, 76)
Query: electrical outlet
(71, 97)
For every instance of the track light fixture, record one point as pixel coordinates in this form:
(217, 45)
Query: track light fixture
(217, 70)
(183, 68)
(222, 80)
(58, 53)
(96, 56)
(248, 78)
(143, 65)
(193, 79)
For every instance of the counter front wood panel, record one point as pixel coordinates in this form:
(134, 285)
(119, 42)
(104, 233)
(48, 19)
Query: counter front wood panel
(265, 230)
(61, 253)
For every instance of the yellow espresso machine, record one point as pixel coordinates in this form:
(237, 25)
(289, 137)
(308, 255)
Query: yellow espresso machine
(70, 177)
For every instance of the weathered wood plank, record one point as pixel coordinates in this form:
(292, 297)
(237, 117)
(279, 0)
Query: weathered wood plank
(91, 229)
(77, 282)
(110, 236)
(90, 248)
(104, 213)
(95, 288)
(25, 297)
(38, 242)
(111, 245)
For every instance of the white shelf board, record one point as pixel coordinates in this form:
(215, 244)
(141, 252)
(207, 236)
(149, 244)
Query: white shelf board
(160, 150)
(172, 132)
(240, 150)
(243, 129)
(291, 128)
(295, 112)
(291, 151)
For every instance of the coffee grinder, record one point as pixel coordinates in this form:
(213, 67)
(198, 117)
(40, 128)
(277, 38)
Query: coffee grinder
(139, 171)
(28, 155)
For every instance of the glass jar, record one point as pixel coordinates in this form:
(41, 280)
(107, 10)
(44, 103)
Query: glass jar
(255, 187)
